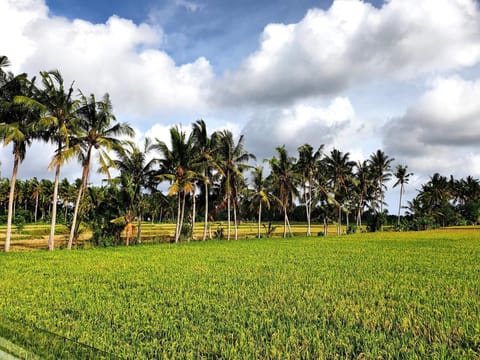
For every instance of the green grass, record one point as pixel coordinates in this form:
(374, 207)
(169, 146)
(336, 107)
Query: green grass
(388, 295)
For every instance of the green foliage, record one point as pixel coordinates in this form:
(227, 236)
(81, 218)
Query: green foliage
(389, 295)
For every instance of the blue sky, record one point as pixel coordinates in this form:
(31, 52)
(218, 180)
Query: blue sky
(400, 75)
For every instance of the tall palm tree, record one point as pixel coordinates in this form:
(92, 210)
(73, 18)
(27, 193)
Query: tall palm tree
(59, 123)
(232, 158)
(380, 165)
(206, 163)
(284, 180)
(176, 166)
(403, 176)
(260, 193)
(137, 170)
(96, 131)
(17, 126)
(306, 166)
(339, 169)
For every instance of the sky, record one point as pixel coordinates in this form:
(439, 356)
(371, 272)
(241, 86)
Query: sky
(401, 75)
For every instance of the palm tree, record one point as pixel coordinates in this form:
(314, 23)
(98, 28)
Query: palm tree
(137, 170)
(17, 126)
(205, 159)
(176, 166)
(95, 132)
(231, 158)
(363, 188)
(259, 193)
(402, 175)
(380, 167)
(59, 123)
(339, 170)
(306, 165)
(284, 180)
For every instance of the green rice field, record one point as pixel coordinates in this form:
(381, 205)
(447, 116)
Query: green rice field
(411, 295)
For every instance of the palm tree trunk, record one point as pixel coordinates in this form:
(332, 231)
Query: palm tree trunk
(399, 204)
(284, 222)
(289, 227)
(339, 224)
(194, 213)
(51, 239)
(179, 211)
(228, 215)
(183, 212)
(259, 217)
(235, 219)
(10, 201)
(36, 207)
(205, 224)
(139, 230)
(325, 226)
(83, 186)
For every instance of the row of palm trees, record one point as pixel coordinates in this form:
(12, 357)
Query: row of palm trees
(50, 112)
(197, 165)
(78, 126)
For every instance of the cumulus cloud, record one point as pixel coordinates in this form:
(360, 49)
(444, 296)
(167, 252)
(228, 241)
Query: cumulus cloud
(118, 56)
(334, 125)
(352, 42)
(440, 132)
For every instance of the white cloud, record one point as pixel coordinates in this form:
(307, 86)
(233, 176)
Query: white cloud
(334, 125)
(119, 57)
(353, 42)
(440, 132)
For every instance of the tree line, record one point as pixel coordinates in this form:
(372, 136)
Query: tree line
(209, 176)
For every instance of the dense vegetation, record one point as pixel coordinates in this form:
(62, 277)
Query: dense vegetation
(207, 175)
(389, 295)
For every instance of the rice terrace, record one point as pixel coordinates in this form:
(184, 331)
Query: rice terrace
(375, 295)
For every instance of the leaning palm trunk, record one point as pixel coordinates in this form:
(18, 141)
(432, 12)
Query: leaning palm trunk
(400, 205)
(10, 201)
(51, 239)
(205, 224)
(235, 219)
(182, 216)
(83, 187)
(259, 217)
(284, 222)
(194, 214)
(228, 216)
(179, 211)
(36, 207)
(289, 227)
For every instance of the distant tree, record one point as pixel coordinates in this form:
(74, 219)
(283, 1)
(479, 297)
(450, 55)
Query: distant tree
(307, 163)
(403, 176)
(284, 180)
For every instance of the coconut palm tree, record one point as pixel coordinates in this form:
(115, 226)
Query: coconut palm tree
(339, 169)
(137, 170)
(402, 175)
(205, 164)
(59, 125)
(259, 193)
(17, 127)
(380, 166)
(176, 166)
(284, 180)
(96, 131)
(232, 159)
(306, 165)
